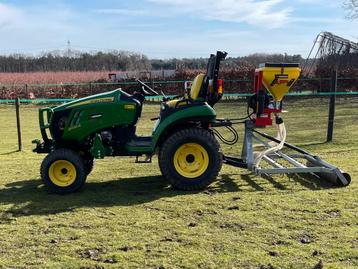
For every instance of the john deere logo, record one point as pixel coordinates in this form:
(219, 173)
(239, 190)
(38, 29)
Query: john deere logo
(74, 127)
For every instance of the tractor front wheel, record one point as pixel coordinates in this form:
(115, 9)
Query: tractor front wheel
(190, 159)
(63, 171)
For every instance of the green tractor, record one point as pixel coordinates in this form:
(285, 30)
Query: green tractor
(76, 133)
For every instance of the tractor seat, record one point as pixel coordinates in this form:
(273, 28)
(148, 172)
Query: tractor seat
(194, 93)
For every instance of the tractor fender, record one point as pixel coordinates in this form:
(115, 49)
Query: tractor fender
(183, 118)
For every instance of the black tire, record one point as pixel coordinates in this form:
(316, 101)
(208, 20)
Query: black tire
(89, 164)
(63, 171)
(201, 139)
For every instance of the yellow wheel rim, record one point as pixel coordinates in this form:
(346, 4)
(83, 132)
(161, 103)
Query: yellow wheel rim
(191, 160)
(62, 173)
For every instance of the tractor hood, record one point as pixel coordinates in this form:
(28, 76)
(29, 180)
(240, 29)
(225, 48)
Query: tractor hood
(81, 118)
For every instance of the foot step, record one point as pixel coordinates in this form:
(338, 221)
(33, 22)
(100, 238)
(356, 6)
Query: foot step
(147, 159)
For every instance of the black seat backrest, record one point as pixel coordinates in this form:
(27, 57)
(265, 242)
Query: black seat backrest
(210, 94)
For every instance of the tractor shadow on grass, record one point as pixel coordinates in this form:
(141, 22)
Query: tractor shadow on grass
(29, 197)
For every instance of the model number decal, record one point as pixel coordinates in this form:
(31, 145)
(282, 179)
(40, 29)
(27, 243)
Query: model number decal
(129, 107)
(94, 101)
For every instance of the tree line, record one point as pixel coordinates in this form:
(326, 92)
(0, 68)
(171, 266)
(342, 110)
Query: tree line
(124, 61)
(74, 61)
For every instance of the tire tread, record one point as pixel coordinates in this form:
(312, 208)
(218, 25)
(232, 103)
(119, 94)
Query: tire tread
(197, 134)
(71, 156)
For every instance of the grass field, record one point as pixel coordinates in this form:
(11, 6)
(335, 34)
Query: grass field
(126, 216)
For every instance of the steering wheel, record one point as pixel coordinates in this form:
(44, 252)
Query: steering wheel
(146, 87)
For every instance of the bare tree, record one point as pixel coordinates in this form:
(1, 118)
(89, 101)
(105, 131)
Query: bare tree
(351, 6)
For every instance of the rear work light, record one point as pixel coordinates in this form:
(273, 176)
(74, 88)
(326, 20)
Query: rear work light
(220, 86)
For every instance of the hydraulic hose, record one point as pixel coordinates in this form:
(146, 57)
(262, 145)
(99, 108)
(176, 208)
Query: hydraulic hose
(281, 135)
(223, 139)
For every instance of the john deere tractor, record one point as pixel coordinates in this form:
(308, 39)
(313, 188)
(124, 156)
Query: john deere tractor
(104, 125)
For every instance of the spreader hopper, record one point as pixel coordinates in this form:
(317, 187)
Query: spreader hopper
(278, 78)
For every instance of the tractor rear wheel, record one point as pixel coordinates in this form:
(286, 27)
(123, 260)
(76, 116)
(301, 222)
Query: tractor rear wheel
(190, 159)
(89, 164)
(63, 171)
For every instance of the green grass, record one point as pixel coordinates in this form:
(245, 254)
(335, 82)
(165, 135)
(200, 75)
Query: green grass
(127, 216)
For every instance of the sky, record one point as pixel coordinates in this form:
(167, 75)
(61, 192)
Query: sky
(171, 28)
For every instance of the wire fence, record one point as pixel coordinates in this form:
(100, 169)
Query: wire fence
(63, 92)
(326, 88)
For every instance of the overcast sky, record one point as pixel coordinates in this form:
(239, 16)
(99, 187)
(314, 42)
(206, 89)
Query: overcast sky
(171, 28)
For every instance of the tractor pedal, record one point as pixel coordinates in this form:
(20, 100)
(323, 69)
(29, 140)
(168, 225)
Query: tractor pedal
(147, 159)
